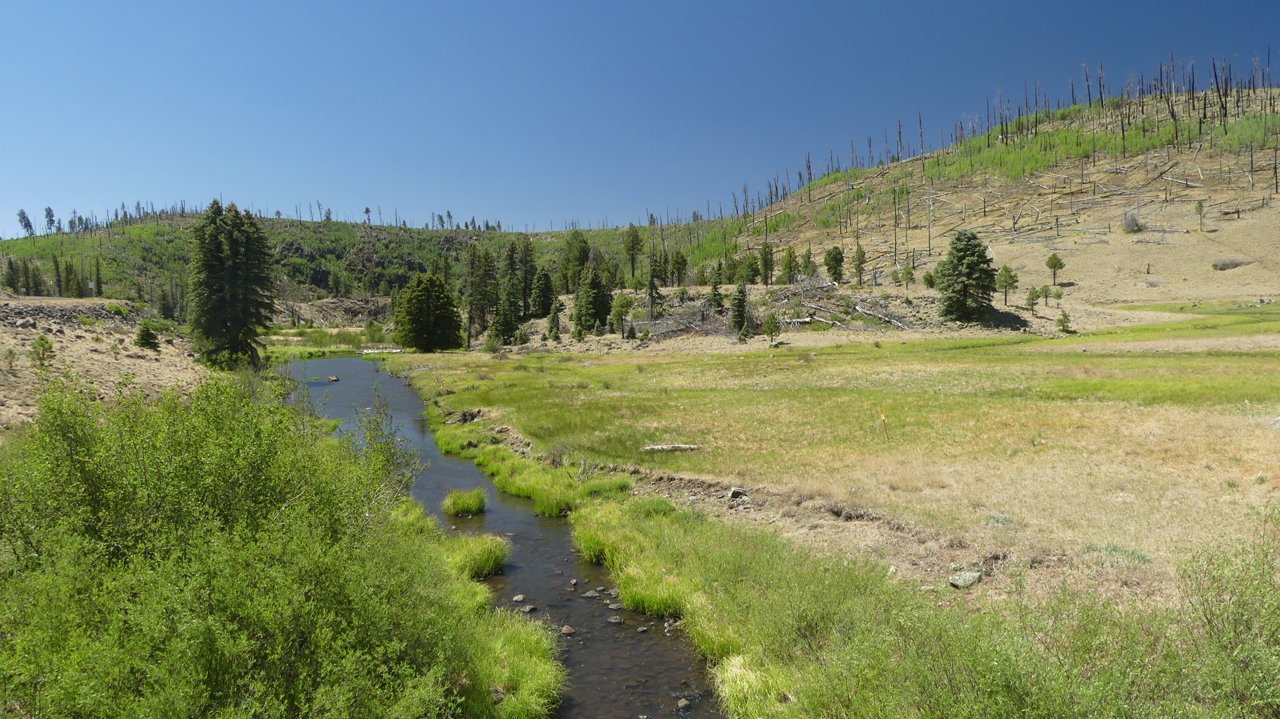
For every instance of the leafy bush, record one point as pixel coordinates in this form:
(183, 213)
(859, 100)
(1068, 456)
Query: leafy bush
(458, 502)
(1223, 265)
(218, 554)
(117, 310)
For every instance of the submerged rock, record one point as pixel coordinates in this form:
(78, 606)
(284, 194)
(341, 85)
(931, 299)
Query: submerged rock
(518, 598)
(567, 630)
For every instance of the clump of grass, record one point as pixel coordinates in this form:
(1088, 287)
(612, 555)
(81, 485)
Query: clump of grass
(1114, 554)
(476, 556)
(999, 520)
(458, 502)
(1227, 264)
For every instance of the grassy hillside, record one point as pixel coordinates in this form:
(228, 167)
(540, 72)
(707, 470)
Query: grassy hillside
(1065, 175)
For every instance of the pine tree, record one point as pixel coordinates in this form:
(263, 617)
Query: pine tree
(771, 326)
(965, 278)
(1006, 280)
(1033, 296)
(57, 277)
(553, 321)
(789, 268)
(1055, 263)
(632, 246)
(592, 302)
(426, 316)
(834, 261)
(808, 267)
(738, 309)
(232, 285)
(714, 298)
(766, 263)
(97, 277)
(506, 320)
(543, 294)
(679, 263)
(147, 338)
(12, 278)
(859, 262)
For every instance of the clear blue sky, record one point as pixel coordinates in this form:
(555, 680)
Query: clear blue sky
(526, 112)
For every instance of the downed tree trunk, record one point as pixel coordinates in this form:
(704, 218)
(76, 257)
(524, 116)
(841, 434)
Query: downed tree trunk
(670, 448)
(859, 309)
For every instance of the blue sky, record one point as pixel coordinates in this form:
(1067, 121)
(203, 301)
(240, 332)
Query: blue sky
(531, 112)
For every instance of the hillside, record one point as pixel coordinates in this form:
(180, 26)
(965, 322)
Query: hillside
(1047, 181)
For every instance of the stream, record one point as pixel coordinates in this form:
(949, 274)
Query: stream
(636, 667)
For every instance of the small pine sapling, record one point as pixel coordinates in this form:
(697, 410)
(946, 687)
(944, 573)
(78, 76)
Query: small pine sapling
(1063, 322)
(1057, 297)
(931, 281)
(771, 327)
(41, 352)
(9, 356)
(1033, 296)
(1045, 294)
(147, 338)
(1006, 281)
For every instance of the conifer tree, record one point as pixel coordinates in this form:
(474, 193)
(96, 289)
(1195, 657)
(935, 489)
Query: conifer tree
(506, 320)
(553, 321)
(771, 326)
(679, 263)
(147, 338)
(12, 278)
(808, 267)
(738, 309)
(232, 285)
(97, 277)
(57, 277)
(632, 246)
(714, 298)
(592, 302)
(834, 261)
(965, 278)
(1055, 263)
(543, 294)
(789, 268)
(1006, 280)
(766, 263)
(426, 316)
(859, 262)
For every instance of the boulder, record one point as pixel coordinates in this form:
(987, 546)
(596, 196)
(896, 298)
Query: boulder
(737, 493)
(964, 580)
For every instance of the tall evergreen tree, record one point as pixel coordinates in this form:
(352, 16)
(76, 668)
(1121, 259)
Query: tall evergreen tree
(426, 317)
(57, 277)
(543, 294)
(232, 285)
(632, 246)
(679, 263)
(1055, 263)
(808, 267)
(714, 298)
(506, 320)
(965, 278)
(738, 309)
(481, 289)
(528, 275)
(12, 279)
(591, 303)
(834, 260)
(766, 263)
(97, 277)
(789, 268)
(859, 262)
(24, 221)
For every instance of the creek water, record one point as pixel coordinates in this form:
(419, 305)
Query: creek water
(616, 670)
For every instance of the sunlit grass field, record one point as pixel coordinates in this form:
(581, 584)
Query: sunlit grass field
(1151, 449)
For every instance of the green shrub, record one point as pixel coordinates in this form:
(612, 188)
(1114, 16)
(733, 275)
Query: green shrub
(117, 310)
(41, 352)
(217, 554)
(458, 502)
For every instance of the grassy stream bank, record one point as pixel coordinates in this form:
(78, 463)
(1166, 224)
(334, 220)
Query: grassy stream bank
(789, 632)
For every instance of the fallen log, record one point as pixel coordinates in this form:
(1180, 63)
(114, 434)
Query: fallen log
(670, 448)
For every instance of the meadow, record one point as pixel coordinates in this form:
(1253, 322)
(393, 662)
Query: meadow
(1148, 472)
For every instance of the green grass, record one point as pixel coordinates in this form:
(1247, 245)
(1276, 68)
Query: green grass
(789, 633)
(458, 502)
